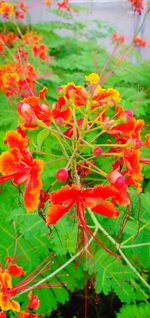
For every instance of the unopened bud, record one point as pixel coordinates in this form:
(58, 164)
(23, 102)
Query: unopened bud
(59, 121)
(97, 151)
(62, 175)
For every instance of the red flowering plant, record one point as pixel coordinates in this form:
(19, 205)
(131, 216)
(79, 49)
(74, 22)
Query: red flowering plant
(16, 10)
(9, 291)
(138, 6)
(80, 120)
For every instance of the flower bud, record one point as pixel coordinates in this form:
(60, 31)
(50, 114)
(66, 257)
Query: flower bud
(59, 121)
(97, 151)
(138, 143)
(62, 175)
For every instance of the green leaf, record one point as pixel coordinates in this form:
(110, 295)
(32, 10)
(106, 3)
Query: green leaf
(41, 137)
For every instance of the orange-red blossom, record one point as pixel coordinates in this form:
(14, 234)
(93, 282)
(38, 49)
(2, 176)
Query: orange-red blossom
(18, 165)
(62, 200)
(11, 269)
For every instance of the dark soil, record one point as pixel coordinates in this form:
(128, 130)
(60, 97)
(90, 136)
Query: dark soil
(98, 306)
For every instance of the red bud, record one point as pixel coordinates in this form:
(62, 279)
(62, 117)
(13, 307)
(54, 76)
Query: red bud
(62, 175)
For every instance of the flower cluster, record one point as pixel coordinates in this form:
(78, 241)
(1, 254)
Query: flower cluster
(118, 39)
(6, 287)
(7, 290)
(77, 112)
(13, 82)
(139, 42)
(8, 10)
(39, 49)
(7, 39)
(20, 11)
(138, 5)
(64, 5)
(18, 165)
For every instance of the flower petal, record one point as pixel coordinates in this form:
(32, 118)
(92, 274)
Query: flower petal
(33, 186)
(106, 209)
(15, 140)
(14, 305)
(55, 212)
(66, 195)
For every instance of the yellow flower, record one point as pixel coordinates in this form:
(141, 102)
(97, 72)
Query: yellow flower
(6, 9)
(113, 94)
(93, 78)
(6, 77)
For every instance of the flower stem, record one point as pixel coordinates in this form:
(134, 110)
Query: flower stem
(85, 248)
(111, 239)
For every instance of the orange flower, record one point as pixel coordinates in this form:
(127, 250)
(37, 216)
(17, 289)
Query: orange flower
(109, 94)
(138, 5)
(61, 110)
(18, 165)
(139, 42)
(95, 198)
(5, 285)
(71, 92)
(33, 301)
(30, 109)
(7, 9)
(40, 51)
(147, 142)
(132, 161)
(20, 11)
(12, 80)
(48, 3)
(118, 39)
(31, 38)
(63, 5)
(15, 270)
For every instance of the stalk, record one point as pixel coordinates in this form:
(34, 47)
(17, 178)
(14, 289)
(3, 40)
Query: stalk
(112, 240)
(85, 248)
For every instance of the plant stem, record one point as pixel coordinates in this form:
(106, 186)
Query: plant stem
(85, 248)
(55, 134)
(110, 238)
(135, 245)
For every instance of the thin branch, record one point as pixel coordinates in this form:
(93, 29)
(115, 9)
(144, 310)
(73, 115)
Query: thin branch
(85, 248)
(110, 238)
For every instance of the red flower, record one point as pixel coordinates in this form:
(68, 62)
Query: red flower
(138, 5)
(15, 270)
(61, 110)
(5, 302)
(118, 39)
(33, 301)
(133, 165)
(63, 5)
(30, 110)
(139, 42)
(147, 141)
(40, 51)
(18, 165)
(95, 198)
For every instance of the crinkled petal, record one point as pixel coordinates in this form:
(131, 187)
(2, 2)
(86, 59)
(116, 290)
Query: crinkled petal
(106, 209)
(14, 306)
(65, 195)
(15, 140)
(55, 212)
(33, 187)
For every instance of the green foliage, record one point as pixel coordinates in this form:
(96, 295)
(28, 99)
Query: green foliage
(134, 311)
